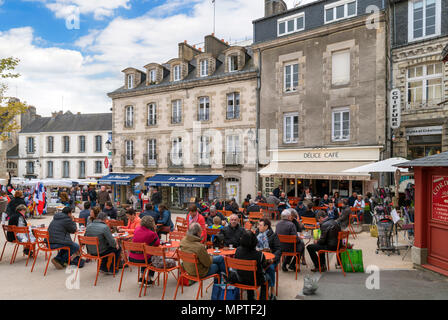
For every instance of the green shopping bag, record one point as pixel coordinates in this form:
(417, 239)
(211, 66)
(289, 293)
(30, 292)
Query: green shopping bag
(356, 257)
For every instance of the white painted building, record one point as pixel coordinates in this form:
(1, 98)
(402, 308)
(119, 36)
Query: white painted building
(65, 146)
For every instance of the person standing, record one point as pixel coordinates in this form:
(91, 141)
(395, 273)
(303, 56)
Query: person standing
(92, 197)
(156, 199)
(14, 203)
(103, 197)
(277, 191)
(328, 240)
(272, 199)
(85, 194)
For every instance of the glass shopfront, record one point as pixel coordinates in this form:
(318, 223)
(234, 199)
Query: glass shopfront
(423, 146)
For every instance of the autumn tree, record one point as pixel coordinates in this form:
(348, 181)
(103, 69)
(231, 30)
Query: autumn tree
(9, 107)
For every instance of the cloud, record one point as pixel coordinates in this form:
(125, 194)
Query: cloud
(99, 8)
(83, 77)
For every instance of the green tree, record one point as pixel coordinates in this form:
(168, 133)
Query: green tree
(9, 108)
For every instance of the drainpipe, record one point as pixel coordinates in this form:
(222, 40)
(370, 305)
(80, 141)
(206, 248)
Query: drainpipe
(257, 158)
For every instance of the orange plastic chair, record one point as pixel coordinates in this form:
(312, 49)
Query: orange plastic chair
(244, 265)
(115, 223)
(183, 229)
(159, 252)
(255, 216)
(248, 225)
(43, 244)
(210, 233)
(342, 237)
(176, 235)
(354, 215)
(227, 213)
(79, 221)
(290, 239)
(309, 223)
(180, 222)
(93, 241)
(191, 258)
(138, 248)
(30, 245)
(7, 229)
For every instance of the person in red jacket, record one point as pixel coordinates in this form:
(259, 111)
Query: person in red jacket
(194, 216)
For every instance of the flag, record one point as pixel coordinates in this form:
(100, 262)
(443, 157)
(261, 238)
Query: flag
(40, 199)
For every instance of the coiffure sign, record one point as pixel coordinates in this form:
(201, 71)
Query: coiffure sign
(395, 108)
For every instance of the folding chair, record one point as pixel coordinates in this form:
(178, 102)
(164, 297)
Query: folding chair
(28, 244)
(7, 229)
(138, 248)
(342, 247)
(290, 239)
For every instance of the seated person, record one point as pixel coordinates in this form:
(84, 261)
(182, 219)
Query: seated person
(213, 213)
(233, 206)
(309, 213)
(18, 219)
(324, 202)
(194, 216)
(286, 227)
(133, 221)
(328, 240)
(146, 234)
(284, 203)
(218, 204)
(85, 214)
(301, 208)
(231, 234)
(359, 204)
(106, 242)
(110, 210)
(247, 251)
(207, 265)
(294, 219)
(217, 224)
(59, 232)
(166, 225)
(268, 239)
(260, 197)
(344, 217)
(253, 207)
(149, 211)
(332, 211)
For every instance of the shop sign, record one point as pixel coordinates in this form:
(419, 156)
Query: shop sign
(395, 108)
(440, 198)
(423, 131)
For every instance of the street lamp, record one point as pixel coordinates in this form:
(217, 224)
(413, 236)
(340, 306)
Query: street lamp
(108, 145)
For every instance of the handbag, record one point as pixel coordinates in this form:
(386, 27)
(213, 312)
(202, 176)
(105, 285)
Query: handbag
(218, 291)
(374, 231)
(157, 261)
(355, 257)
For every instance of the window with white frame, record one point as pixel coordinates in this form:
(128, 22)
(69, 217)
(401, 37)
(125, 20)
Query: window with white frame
(152, 151)
(30, 167)
(152, 76)
(340, 10)
(291, 24)
(129, 117)
(176, 151)
(232, 61)
(82, 169)
(50, 169)
(98, 167)
(425, 84)
(291, 127)
(152, 114)
(50, 144)
(65, 169)
(424, 19)
(129, 145)
(176, 72)
(233, 149)
(82, 144)
(30, 145)
(130, 81)
(340, 67)
(204, 109)
(176, 114)
(204, 150)
(341, 124)
(98, 144)
(204, 67)
(66, 144)
(291, 73)
(233, 105)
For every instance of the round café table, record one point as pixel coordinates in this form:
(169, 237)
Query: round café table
(231, 252)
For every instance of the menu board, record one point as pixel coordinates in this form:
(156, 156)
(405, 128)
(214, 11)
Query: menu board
(440, 198)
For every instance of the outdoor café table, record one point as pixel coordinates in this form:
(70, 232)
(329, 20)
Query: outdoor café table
(231, 252)
(169, 246)
(305, 237)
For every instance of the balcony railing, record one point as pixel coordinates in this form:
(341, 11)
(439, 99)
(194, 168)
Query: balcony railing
(232, 158)
(202, 159)
(150, 160)
(128, 124)
(127, 161)
(175, 160)
(422, 105)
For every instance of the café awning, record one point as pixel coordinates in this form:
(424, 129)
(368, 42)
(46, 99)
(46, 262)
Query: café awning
(315, 170)
(387, 165)
(166, 180)
(118, 178)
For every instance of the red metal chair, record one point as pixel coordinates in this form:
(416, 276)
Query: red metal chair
(28, 244)
(187, 257)
(210, 234)
(290, 239)
(176, 235)
(244, 265)
(159, 252)
(342, 247)
(93, 241)
(43, 244)
(138, 248)
(7, 229)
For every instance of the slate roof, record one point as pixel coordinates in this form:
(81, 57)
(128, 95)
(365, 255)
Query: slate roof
(219, 73)
(437, 160)
(69, 122)
(13, 152)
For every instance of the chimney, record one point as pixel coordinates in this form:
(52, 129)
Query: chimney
(272, 7)
(187, 52)
(214, 46)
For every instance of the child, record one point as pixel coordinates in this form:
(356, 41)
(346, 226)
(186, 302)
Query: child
(216, 225)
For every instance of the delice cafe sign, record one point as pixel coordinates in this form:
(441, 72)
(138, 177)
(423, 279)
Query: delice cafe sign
(440, 198)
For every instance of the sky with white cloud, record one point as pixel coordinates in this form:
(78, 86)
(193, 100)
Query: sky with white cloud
(74, 69)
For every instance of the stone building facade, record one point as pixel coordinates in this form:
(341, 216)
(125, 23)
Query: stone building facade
(323, 80)
(421, 76)
(192, 116)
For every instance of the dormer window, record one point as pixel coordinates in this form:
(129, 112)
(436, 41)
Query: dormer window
(130, 81)
(291, 24)
(204, 68)
(233, 63)
(340, 10)
(176, 72)
(152, 76)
